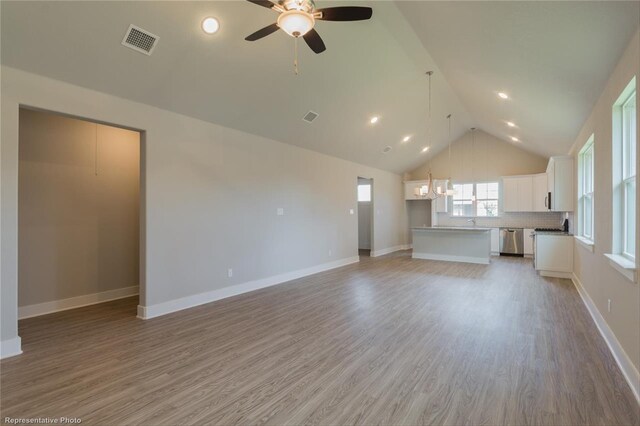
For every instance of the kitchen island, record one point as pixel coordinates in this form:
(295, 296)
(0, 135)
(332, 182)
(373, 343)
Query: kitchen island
(453, 244)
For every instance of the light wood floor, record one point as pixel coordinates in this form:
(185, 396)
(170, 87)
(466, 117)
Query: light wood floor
(388, 341)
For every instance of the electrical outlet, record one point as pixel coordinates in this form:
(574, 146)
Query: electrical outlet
(280, 211)
(230, 272)
(609, 305)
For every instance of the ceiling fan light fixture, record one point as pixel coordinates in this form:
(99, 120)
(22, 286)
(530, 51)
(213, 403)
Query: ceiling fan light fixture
(296, 23)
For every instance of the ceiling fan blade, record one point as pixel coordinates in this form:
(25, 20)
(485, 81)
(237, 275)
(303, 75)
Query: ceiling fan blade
(345, 13)
(263, 32)
(264, 3)
(314, 41)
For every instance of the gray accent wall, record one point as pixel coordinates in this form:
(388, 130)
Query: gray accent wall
(78, 208)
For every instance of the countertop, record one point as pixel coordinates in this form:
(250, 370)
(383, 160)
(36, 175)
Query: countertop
(451, 228)
(562, 234)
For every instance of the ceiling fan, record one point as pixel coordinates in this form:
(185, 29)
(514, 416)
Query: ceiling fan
(297, 18)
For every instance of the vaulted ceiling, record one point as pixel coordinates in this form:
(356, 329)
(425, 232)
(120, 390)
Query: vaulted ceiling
(552, 58)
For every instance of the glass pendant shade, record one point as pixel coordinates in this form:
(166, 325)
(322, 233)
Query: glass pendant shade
(296, 23)
(450, 190)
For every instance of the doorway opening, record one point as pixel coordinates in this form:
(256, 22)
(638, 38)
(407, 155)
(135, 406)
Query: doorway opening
(365, 216)
(79, 221)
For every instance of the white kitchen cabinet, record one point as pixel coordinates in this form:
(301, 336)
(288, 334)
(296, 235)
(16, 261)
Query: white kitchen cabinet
(509, 195)
(412, 189)
(495, 241)
(412, 192)
(560, 183)
(528, 242)
(554, 255)
(442, 202)
(525, 194)
(540, 193)
(517, 194)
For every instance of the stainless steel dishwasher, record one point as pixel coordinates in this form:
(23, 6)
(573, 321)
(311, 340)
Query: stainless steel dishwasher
(511, 242)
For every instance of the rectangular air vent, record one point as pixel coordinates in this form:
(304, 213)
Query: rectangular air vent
(310, 116)
(140, 40)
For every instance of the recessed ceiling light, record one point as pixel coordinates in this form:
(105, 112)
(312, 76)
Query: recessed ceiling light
(510, 124)
(406, 139)
(514, 139)
(503, 95)
(210, 25)
(425, 149)
(374, 119)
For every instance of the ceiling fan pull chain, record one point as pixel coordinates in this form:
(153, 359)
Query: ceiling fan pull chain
(295, 55)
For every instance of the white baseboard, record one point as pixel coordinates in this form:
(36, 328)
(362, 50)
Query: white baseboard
(382, 252)
(152, 311)
(75, 302)
(553, 274)
(10, 347)
(629, 371)
(451, 258)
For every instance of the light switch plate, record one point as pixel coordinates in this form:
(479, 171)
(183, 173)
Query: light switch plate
(280, 211)
(350, 211)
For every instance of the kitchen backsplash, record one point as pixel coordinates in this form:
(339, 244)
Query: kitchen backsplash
(515, 220)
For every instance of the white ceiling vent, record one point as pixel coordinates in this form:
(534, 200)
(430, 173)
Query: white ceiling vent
(140, 40)
(310, 116)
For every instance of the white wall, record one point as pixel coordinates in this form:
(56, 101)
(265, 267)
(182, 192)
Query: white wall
(78, 208)
(489, 159)
(598, 278)
(211, 197)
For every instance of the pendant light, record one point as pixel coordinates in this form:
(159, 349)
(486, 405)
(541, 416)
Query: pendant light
(450, 191)
(431, 192)
(473, 151)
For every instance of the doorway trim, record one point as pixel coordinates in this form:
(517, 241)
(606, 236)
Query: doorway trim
(373, 215)
(94, 298)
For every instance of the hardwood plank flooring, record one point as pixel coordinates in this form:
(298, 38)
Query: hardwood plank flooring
(390, 340)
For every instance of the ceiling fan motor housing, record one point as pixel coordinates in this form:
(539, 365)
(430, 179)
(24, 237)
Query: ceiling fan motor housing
(303, 5)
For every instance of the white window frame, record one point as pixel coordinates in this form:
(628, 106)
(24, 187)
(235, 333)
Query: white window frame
(497, 200)
(628, 177)
(622, 176)
(474, 203)
(586, 179)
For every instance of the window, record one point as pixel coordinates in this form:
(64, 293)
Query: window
(364, 193)
(462, 199)
(585, 191)
(624, 173)
(485, 203)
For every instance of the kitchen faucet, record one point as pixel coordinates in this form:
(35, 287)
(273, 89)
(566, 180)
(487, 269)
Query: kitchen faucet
(472, 221)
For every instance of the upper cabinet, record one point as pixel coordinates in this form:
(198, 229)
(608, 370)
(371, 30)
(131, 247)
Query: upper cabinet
(517, 194)
(441, 203)
(560, 184)
(412, 189)
(550, 191)
(412, 192)
(540, 193)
